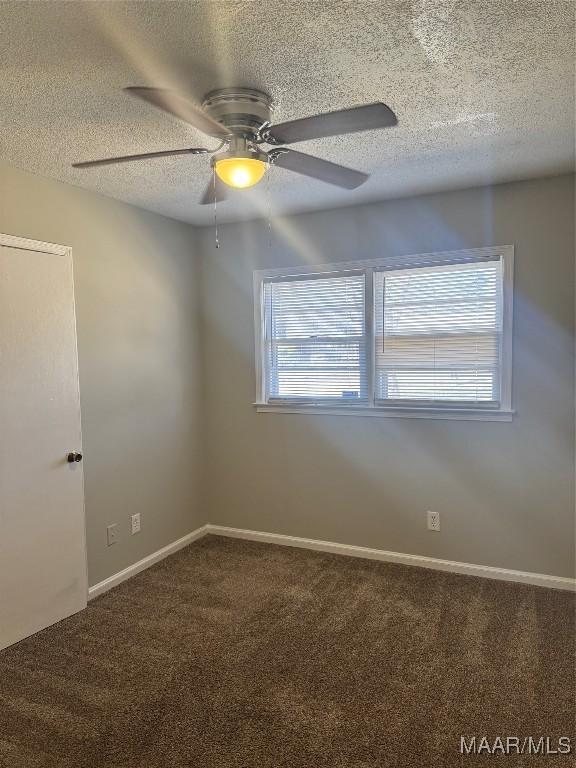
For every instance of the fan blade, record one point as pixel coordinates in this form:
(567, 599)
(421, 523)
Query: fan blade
(364, 118)
(145, 156)
(324, 170)
(221, 192)
(182, 108)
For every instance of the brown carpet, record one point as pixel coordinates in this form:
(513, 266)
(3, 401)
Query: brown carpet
(236, 654)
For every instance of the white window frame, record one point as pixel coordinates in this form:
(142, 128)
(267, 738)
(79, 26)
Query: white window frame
(502, 412)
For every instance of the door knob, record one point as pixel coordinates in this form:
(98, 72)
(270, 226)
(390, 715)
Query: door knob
(74, 457)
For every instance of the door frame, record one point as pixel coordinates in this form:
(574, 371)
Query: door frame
(53, 249)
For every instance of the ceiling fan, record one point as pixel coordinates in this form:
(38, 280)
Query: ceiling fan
(241, 119)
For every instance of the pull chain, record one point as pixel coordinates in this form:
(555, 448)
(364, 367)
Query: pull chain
(269, 206)
(215, 216)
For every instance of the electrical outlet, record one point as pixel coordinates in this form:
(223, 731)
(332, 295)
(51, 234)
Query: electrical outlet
(135, 523)
(433, 519)
(112, 534)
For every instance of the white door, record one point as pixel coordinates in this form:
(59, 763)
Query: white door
(42, 532)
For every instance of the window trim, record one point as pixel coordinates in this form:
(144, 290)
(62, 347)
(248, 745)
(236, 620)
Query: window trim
(371, 407)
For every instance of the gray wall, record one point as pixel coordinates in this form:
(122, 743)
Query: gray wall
(136, 302)
(162, 332)
(505, 490)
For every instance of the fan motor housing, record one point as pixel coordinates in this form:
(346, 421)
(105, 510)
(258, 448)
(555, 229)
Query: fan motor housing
(243, 110)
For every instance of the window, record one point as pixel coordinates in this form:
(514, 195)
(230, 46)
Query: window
(315, 341)
(426, 335)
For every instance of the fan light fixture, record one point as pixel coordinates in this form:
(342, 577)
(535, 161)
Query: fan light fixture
(242, 165)
(241, 120)
(240, 172)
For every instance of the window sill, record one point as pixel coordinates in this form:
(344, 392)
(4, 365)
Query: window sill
(460, 414)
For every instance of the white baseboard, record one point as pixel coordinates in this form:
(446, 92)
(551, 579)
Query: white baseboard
(146, 562)
(451, 566)
(468, 569)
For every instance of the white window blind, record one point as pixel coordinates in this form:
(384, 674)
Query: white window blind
(314, 337)
(438, 333)
(428, 336)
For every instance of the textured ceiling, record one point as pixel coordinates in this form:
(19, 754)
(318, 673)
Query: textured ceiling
(483, 89)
